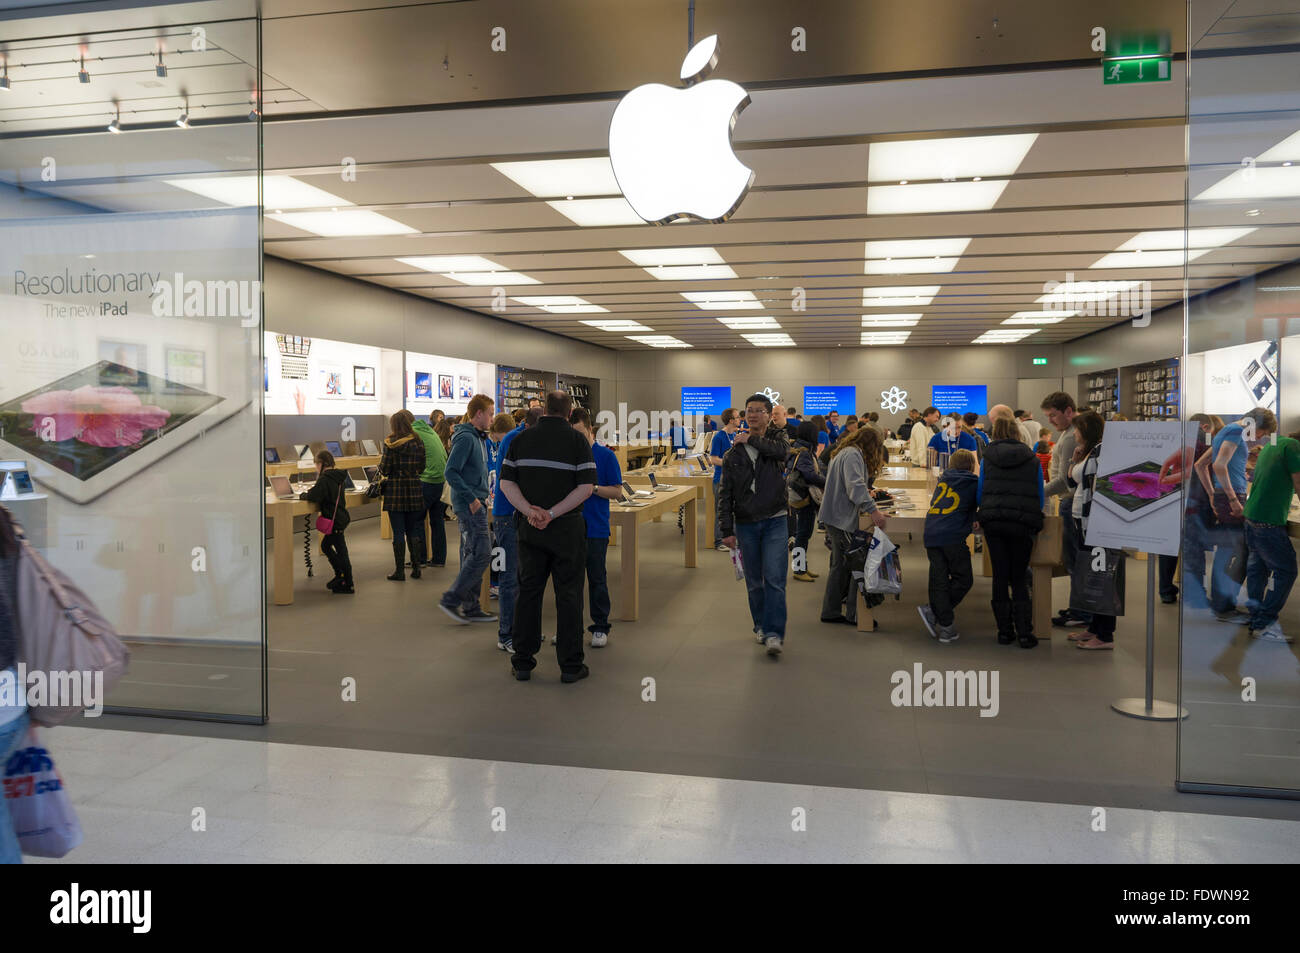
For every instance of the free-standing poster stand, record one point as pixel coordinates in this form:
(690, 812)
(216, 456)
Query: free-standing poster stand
(1150, 708)
(1135, 504)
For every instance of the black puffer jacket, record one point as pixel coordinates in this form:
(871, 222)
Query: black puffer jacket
(1010, 490)
(327, 492)
(9, 595)
(753, 490)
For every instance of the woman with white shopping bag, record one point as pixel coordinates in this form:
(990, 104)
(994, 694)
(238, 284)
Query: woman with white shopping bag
(13, 709)
(856, 459)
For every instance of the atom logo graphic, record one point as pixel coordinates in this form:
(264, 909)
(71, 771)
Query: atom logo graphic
(775, 395)
(893, 400)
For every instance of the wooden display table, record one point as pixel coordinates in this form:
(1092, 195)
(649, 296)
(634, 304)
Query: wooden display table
(636, 450)
(1046, 556)
(680, 475)
(309, 465)
(629, 518)
(905, 477)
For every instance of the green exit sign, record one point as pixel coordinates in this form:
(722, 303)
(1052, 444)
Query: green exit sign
(1040, 360)
(1140, 69)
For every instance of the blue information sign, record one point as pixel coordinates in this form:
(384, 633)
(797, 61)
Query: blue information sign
(822, 400)
(705, 400)
(960, 398)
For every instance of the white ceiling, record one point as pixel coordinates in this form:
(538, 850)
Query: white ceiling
(1108, 163)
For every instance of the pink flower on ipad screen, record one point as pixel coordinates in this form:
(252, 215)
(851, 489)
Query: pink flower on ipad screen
(1145, 486)
(99, 416)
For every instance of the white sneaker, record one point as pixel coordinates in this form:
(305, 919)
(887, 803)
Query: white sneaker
(773, 644)
(759, 637)
(599, 639)
(505, 645)
(723, 549)
(1271, 633)
(928, 618)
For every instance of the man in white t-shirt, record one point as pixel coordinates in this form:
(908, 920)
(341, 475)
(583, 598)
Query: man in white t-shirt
(1032, 427)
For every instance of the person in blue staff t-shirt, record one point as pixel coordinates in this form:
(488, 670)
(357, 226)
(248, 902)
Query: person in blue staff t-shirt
(595, 511)
(677, 437)
(833, 425)
(952, 438)
(710, 425)
(718, 448)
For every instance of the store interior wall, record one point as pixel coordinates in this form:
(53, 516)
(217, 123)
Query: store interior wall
(655, 379)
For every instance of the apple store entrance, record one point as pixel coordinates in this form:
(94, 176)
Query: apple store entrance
(496, 200)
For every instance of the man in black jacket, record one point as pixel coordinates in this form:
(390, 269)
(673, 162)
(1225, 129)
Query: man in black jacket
(751, 512)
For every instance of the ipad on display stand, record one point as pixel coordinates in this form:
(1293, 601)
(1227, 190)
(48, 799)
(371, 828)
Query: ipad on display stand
(333, 447)
(272, 455)
(358, 475)
(302, 451)
(370, 448)
(82, 471)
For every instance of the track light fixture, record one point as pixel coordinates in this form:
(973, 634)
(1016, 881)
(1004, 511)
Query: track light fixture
(4, 79)
(115, 124)
(183, 120)
(160, 70)
(82, 75)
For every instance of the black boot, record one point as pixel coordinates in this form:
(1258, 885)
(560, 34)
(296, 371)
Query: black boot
(1023, 614)
(345, 587)
(1006, 629)
(399, 557)
(334, 583)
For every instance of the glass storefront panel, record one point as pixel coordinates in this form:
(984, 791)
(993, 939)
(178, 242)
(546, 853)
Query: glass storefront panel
(1238, 675)
(131, 367)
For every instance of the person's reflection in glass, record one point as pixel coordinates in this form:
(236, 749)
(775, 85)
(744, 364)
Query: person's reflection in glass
(1275, 480)
(1222, 473)
(1199, 516)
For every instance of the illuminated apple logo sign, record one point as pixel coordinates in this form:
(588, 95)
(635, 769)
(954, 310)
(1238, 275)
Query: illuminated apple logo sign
(671, 148)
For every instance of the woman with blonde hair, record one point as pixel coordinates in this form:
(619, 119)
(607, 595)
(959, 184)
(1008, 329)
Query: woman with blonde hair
(856, 459)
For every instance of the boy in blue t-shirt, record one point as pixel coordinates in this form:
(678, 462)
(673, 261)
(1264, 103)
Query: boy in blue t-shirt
(595, 511)
(947, 524)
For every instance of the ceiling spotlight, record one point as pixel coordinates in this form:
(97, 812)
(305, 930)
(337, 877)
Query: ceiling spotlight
(902, 182)
(183, 120)
(82, 75)
(160, 70)
(253, 114)
(4, 79)
(1252, 212)
(114, 125)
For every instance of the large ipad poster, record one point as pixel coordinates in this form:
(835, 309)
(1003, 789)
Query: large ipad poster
(1135, 500)
(129, 373)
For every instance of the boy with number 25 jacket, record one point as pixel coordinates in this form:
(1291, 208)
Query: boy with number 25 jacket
(947, 524)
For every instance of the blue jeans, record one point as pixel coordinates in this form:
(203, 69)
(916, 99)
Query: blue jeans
(764, 554)
(598, 584)
(1070, 546)
(1196, 540)
(1270, 551)
(475, 554)
(11, 736)
(437, 511)
(1229, 539)
(508, 578)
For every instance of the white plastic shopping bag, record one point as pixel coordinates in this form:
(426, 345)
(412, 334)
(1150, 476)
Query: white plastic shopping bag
(882, 572)
(42, 814)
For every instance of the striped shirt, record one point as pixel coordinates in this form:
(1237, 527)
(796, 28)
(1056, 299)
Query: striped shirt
(548, 461)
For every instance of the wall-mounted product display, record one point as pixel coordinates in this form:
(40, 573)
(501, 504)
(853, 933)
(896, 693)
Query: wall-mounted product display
(1151, 391)
(960, 398)
(517, 385)
(1100, 391)
(441, 383)
(826, 398)
(305, 376)
(705, 400)
(585, 391)
(1229, 381)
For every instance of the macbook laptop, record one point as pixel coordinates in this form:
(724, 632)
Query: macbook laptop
(372, 474)
(358, 475)
(636, 494)
(655, 484)
(625, 501)
(282, 489)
